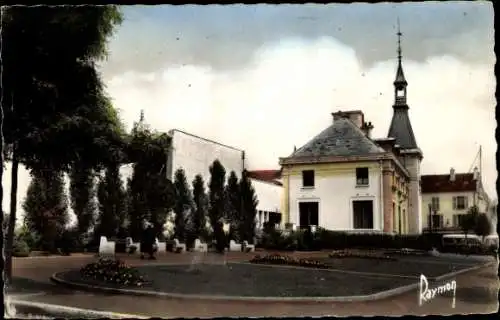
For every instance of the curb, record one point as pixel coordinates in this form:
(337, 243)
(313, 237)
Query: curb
(53, 308)
(459, 272)
(362, 298)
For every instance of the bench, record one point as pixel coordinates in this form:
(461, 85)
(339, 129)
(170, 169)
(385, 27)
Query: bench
(106, 247)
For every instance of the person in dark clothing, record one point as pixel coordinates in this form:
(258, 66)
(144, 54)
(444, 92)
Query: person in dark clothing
(148, 242)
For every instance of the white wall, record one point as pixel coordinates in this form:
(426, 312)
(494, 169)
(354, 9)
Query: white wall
(195, 155)
(335, 194)
(269, 195)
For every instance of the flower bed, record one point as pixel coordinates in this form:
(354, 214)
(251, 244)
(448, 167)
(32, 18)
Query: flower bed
(289, 261)
(365, 255)
(112, 271)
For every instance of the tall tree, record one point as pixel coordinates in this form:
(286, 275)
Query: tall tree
(200, 205)
(183, 204)
(54, 97)
(151, 193)
(46, 207)
(217, 203)
(482, 225)
(82, 193)
(112, 202)
(468, 221)
(233, 204)
(249, 208)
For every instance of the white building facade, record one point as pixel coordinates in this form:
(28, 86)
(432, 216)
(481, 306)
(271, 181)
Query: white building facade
(335, 193)
(196, 154)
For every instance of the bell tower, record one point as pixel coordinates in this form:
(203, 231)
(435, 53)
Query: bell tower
(411, 155)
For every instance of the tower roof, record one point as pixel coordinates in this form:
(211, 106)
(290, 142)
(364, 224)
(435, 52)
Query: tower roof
(402, 130)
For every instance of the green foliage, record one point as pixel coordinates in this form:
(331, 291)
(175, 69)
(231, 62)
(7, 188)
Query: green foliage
(151, 194)
(21, 248)
(82, 193)
(57, 96)
(468, 221)
(249, 208)
(482, 225)
(53, 97)
(200, 207)
(337, 240)
(31, 238)
(217, 202)
(46, 207)
(112, 202)
(233, 205)
(183, 204)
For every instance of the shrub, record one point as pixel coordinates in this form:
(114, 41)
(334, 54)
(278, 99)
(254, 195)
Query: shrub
(337, 240)
(112, 271)
(289, 261)
(20, 248)
(348, 254)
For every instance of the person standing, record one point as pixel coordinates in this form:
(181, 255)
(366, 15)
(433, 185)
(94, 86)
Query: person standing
(148, 241)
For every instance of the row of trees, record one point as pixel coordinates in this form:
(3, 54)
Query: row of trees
(234, 203)
(101, 203)
(99, 199)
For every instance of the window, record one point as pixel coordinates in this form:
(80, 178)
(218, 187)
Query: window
(457, 219)
(460, 203)
(435, 204)
(362, 176)
(437, 220)
(308, 178)
(308, 214)
(362, 214)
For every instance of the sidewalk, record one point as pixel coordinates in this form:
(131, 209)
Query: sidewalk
(476, 294)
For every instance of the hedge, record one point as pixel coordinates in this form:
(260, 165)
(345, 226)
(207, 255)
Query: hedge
(336, 240)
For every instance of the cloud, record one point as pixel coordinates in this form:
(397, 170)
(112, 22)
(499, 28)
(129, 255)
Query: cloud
(152, 36)
(284, 96)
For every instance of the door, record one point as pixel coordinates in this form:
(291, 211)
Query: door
(308, 214)
(362, 214)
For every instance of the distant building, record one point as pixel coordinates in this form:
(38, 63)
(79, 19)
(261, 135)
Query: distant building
(196, 154)
(342, 179)
(447, 198)
(269, 190)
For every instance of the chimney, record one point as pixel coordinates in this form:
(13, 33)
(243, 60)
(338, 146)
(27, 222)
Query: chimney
(356, 116)
(452, 174)
(367, 129)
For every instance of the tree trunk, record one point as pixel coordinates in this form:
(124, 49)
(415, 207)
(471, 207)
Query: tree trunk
(12, 218)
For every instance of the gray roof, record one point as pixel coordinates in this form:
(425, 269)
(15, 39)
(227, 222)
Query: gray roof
(401, 129)
(343, 138)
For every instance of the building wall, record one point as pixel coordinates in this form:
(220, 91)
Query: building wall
(335, 189)
(269, 195)
(195, 155)
(412, 164)
(446, 206)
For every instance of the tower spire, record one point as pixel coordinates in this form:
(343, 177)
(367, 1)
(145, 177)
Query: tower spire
(399, 43)
(400, 81)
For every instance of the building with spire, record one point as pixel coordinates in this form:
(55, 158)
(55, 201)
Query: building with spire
(343, 179)
(411, 155)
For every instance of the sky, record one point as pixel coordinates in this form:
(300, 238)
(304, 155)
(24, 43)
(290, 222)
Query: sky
(266, 78)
